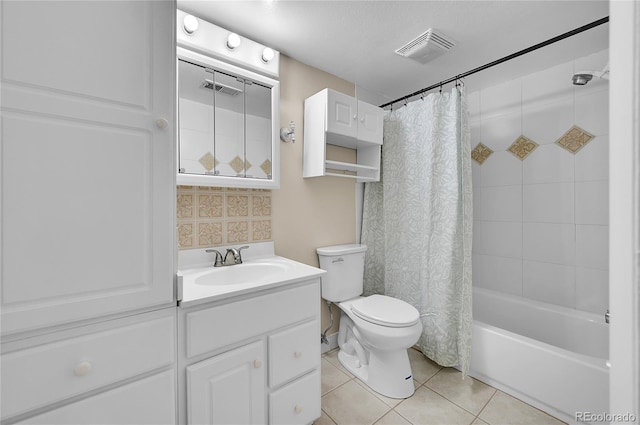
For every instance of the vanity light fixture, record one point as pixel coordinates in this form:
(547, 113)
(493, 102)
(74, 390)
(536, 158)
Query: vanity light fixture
(190, 24)
(267, 54)
(233, 41)
(288, 134)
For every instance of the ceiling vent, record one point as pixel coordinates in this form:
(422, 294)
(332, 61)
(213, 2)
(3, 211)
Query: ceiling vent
(427, 46)
(221, 88)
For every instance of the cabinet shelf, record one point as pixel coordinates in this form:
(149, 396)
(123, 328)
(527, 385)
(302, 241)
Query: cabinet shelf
(363, 173)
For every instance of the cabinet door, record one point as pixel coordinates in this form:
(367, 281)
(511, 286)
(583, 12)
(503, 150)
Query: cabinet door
(370, 120)
(228, 388)
(341, 114)
(88, 183)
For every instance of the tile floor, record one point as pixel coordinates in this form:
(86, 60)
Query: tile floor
(441, 397)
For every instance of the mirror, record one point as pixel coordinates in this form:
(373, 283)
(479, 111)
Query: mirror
(227, 133)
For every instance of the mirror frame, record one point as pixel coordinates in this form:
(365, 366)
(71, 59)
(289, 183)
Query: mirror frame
(230, 181)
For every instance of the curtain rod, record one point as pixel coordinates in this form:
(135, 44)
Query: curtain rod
(504, 59)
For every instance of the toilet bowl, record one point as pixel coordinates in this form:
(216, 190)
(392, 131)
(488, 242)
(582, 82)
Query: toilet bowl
(375, 331)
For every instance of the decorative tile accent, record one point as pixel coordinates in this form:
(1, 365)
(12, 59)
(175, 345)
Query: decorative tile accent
(237, 164)
(261, 230)
(522, 147)
(261, 205)
(214, 216)
(247, 164)
(208, 161)
(237, 205)
(237, 231)
(480, 153)
(266, 167)
(209, 234)
(574, 139)
(210, 205)
(185, 235)
(185, 206)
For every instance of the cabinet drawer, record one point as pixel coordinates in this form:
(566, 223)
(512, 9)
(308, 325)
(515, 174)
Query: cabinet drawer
(150, 401)
(293, 352)
(296, 403)
(225, 324)
(54, 371)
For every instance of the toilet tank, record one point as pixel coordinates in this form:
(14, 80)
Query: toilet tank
(344, 265)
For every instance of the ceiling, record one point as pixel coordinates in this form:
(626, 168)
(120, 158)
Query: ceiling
(356, 40)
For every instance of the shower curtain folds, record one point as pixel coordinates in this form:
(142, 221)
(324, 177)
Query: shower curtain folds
(417, 222)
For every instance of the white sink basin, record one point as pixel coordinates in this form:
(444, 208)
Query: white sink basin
(203, 284)
(240, 273)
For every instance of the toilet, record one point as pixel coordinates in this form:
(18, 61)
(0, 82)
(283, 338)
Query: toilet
(375, 331)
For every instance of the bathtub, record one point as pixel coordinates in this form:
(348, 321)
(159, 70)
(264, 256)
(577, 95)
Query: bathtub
(551, 357)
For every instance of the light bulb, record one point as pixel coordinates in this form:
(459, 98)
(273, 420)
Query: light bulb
(190, 24)
(233, 41)
(267, 54)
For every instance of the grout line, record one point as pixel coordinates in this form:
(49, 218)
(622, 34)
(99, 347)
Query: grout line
(329, 416)
(487, 403)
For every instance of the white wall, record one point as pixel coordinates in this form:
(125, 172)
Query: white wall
(541, 224)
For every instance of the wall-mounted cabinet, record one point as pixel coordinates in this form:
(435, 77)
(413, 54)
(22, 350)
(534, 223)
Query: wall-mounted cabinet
(228, 113)
(333, 118)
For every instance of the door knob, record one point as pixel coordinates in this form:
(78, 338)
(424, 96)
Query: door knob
(162, 123)
(257, 363)
(298, 409)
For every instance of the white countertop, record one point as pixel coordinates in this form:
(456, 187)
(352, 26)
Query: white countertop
(198, 283)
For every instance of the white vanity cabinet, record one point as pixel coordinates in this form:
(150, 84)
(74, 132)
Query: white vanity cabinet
(88, 177)
(334, 118)
(115, 372)
(253, 358)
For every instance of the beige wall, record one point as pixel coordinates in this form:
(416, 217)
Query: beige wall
(314, 212)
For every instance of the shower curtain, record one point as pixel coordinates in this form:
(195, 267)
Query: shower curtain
(417, 222)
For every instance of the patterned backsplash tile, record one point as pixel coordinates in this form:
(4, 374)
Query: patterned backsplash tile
(574, 139)
(522, 147)
(213, 216)
(480, 153)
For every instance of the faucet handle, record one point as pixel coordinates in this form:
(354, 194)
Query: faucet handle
(239, 254)
(218, 259)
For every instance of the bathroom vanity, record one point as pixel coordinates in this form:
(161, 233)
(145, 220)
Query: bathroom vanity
(249, 351)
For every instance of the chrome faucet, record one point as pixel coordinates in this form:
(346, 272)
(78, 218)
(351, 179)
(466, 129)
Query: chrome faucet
(236, 255)
(218, 260)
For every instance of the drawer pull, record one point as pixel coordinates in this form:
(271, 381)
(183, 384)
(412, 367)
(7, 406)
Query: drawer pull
(257, 363)
(298, 409)
(297, 354)
(82, 369)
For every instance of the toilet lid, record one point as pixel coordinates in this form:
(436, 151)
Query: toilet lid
(385, 311)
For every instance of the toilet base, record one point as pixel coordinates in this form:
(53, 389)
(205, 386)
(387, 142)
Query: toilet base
(388, 372)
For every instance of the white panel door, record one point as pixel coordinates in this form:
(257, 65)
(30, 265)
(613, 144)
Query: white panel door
(228, 388)
(88, 93)
(370, 120)
(341, 114)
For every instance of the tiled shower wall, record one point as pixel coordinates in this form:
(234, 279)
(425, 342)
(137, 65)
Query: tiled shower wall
(541, 208)
(213, 216)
